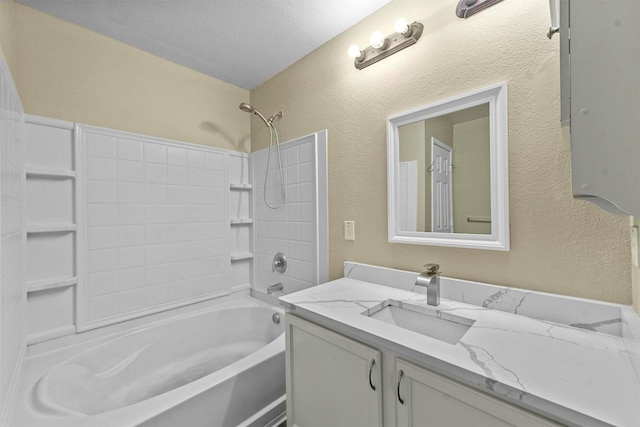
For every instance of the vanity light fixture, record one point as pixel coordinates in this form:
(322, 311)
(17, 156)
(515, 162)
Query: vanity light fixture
(554, 7)
(466, 8)
(381, 46)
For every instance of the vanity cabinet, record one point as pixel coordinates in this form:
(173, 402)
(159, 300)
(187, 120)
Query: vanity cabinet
(333, 380)
(424, 398)
(600, 65)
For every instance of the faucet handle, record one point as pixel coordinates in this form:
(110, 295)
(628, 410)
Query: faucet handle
(432, 268)
(279, 263)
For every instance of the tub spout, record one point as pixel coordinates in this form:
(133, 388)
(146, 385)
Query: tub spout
(275, 287)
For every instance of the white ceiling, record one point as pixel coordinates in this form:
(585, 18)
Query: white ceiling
(243, 42)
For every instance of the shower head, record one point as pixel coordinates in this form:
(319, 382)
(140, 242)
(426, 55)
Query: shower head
(247, 108)
(277, 115)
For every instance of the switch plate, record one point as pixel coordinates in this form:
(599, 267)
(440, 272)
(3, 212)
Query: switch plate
(634, 246)
(349, 230)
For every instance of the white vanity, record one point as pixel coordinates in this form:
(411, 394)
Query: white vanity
(368, 350)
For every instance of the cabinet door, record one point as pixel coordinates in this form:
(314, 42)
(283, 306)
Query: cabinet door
(331, 380)
(427, 399)
(605, 103)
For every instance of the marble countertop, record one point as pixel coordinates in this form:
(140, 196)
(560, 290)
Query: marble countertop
(578, 376)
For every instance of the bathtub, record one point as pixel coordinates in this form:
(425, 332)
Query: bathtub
(223, 366)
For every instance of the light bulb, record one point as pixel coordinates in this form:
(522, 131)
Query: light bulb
(354, 51)
(401, 26)
(377, 39)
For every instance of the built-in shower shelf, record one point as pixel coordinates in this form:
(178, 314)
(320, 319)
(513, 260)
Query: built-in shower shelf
(49, 173)
(50, 334)
(51, 228)
(239, 256)
(241, 221)
(240, 186)
(43, 285)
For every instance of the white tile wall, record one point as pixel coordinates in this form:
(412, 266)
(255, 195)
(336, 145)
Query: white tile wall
(12, 295)
(156, 225)
(298, 227)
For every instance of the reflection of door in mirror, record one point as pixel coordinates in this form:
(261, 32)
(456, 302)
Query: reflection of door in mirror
(442, 210)
(468, 206)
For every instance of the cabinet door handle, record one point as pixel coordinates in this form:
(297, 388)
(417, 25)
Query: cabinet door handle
(371, 365)
(400, 375)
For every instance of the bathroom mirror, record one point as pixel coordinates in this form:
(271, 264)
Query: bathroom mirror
(448, 172)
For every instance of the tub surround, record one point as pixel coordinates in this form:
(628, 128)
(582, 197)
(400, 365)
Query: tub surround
(138, 225)
(556, 356)
(153, 222)
(298, 227)
(12, 299)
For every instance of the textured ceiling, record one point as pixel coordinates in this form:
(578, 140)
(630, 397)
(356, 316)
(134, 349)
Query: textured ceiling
(243, 42)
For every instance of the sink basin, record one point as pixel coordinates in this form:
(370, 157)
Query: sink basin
(430, 322)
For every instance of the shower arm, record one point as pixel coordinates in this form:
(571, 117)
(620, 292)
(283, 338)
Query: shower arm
(277, 115)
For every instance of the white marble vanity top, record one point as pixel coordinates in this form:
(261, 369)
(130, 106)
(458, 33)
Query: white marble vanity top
(573, 375)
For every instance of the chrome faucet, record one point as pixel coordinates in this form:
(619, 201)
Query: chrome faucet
(430, 280)
(275, 287)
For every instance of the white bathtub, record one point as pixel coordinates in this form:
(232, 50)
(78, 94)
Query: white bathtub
(219, 367)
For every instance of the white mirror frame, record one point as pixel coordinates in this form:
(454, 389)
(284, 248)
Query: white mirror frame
(496, 96)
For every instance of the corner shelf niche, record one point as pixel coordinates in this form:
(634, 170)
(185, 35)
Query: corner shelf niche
(240, 256)
(51, 228)
(43, 285)
(49, 173)
(238, 186)
(241, 222)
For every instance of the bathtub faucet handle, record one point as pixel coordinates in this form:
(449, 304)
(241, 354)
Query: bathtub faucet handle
(279, 263)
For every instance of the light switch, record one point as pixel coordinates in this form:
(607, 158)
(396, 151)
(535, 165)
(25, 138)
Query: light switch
(349, 230)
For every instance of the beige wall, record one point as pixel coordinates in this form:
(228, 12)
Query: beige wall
(440, 128)
(471, 175)
(6, 31)
(413, 147)
(67, 72)
(558, 244)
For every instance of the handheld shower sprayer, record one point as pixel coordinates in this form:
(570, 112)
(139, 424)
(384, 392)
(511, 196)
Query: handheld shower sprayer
(248, 108)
